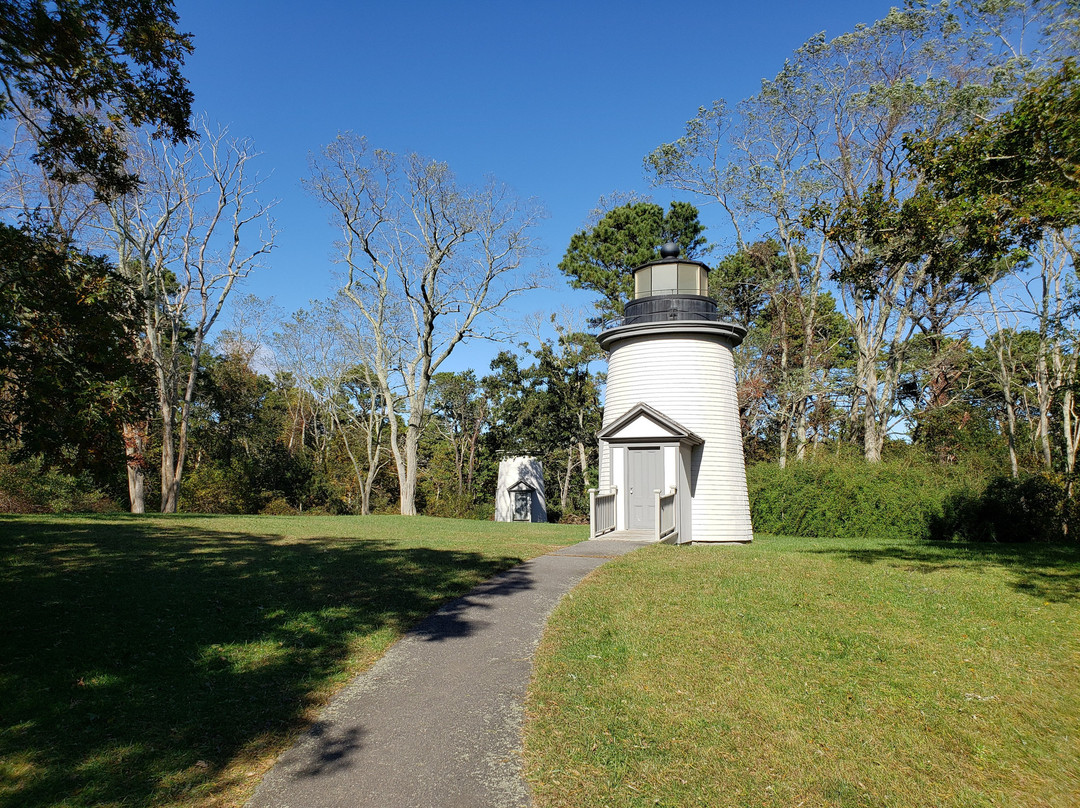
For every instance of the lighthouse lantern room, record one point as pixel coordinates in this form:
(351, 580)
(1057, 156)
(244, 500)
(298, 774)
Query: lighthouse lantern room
(671, 455)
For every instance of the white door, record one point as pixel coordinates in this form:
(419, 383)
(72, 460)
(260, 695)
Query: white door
(645, 475)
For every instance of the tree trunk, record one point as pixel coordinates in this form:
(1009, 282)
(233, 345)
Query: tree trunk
(352, 459)
(1071, 426)
(868, 382)
(785, 412)
(1065, 365)
(784, 432)
(564, 488)
(1043, 383)
(474, 442)
(800, 429)
(1045, 396)
(1010, 410)
(408, 481)
(374, 452)
(458, 448)
(168, 460)
(1005, 378)
(135, 450)
(873, 437)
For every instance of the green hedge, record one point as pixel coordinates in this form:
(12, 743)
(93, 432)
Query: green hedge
(1031, 508)
(843, 497)
(910, 499)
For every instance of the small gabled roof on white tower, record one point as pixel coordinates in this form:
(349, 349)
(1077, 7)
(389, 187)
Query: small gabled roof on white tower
(644, 422)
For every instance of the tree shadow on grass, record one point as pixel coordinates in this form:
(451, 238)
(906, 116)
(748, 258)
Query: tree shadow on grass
(1046, 572)
(138, 661)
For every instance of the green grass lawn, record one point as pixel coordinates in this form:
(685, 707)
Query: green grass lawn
(166, 661)
(813, 672)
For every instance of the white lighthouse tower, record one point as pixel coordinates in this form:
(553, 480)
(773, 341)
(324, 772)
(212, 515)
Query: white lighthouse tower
(671, 455)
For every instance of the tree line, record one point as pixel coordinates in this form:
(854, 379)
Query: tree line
(130, 225)
(903, 200)
(286, 421)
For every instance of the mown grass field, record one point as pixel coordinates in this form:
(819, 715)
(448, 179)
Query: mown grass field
(166, 661)
(813, 672)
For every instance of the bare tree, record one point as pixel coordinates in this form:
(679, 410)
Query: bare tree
(999, 326)
(183, 237)
(318, 347)
(250, 328)
(428, 263)
(1031, 331)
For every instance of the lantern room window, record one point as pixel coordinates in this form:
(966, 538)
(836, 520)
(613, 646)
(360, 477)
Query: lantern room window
(671, 278)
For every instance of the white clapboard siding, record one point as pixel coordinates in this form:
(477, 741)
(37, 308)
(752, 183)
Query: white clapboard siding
(690, 378)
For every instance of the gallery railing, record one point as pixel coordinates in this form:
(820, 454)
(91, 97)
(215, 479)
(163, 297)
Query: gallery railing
(666, 307)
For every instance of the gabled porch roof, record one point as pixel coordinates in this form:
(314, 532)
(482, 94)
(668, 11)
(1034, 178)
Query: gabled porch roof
(642, 422)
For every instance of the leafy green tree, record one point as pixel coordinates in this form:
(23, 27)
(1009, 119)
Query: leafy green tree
(742, 281)
(460, 414)
(816, 161)
(68, 378)
(1012, 184)
(239, 458)
(551, 409)
(785, 375)
(96, 68)
(80, 75)
(1013, 177)
(601, 259)
(230, 412)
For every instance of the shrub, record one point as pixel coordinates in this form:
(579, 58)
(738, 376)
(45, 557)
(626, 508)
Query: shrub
(1031, 508)
(334, 506)
(208, 488)
(455, 506)
(279, 507)
(16, 503)
(574, 519)
(484, 511)
(29, 486)
(842, 497)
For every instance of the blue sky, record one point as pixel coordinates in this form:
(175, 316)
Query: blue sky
(560, 100)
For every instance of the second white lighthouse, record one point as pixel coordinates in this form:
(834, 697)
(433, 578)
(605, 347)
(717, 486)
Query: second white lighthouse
(671, 454)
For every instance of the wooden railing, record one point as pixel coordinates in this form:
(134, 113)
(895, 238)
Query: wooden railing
(601, 511)
(667, 520)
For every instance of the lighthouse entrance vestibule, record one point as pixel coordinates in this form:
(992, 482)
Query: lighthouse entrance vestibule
(645, 476)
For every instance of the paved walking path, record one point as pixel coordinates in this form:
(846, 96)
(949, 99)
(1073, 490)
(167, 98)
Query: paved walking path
(436, 723)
